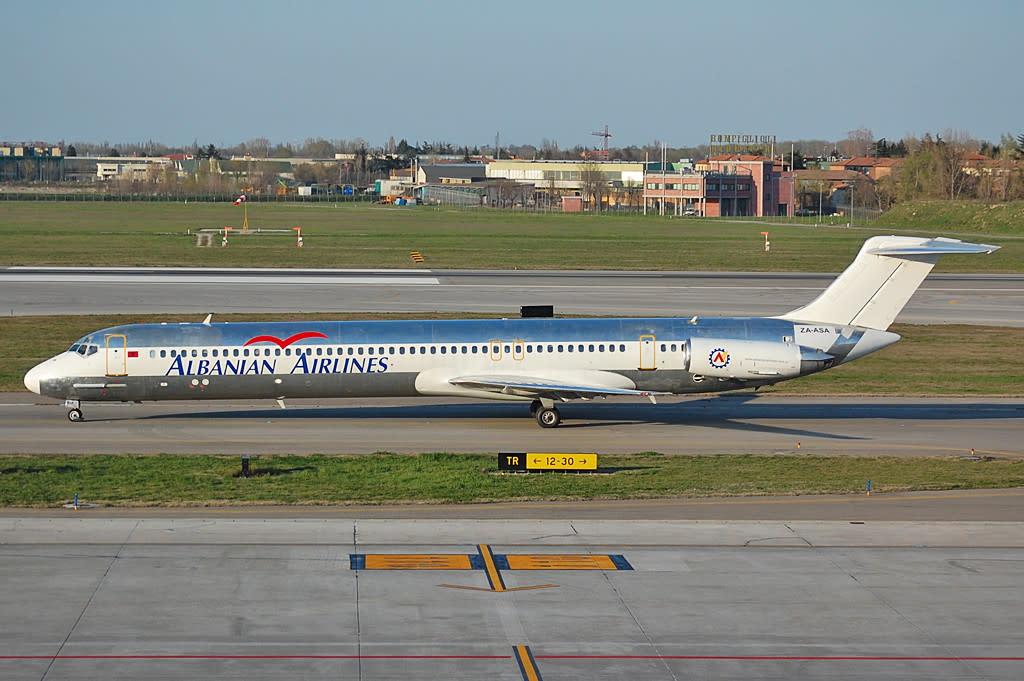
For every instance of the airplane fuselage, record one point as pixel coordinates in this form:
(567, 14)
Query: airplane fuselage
(405, 358)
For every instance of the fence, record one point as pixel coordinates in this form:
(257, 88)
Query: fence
(181, 198)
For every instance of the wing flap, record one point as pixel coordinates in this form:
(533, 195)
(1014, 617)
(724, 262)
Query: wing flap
(531, 386)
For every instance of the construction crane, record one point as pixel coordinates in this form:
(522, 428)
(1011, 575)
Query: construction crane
(604, 146)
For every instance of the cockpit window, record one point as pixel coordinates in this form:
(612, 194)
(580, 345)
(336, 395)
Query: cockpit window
(92, 350)
(74, 348)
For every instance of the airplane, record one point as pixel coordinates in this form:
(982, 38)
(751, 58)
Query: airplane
(543, 361)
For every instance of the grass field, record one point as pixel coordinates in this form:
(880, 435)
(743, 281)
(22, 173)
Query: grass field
(930, 360)
(369, 236)
(964, 217)
(200, 480)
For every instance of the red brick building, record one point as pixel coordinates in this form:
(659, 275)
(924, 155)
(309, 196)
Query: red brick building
(722, 186)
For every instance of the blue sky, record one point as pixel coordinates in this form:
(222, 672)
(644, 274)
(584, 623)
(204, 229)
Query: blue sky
(461, 70)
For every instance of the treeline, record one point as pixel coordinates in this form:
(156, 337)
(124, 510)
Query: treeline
(952, 167)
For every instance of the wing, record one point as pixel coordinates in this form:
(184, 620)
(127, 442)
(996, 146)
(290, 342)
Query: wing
(531, 386)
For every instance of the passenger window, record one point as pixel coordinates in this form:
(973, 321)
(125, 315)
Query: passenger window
(163, 353)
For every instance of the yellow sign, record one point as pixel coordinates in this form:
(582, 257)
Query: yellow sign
(561, 462)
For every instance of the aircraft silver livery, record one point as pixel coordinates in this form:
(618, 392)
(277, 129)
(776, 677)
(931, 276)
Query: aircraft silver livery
(540, 361)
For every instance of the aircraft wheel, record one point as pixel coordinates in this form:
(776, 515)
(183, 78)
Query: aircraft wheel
(75, 415)
(548, 418)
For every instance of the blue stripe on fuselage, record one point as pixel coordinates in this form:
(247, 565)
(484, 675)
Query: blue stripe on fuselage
(450, 331)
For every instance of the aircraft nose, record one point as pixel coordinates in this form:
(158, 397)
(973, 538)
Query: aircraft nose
(35, 375)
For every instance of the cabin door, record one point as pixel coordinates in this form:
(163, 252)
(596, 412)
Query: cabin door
(647, 353)
(116, 356)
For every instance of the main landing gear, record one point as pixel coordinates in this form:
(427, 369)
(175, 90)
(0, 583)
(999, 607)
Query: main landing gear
(547, 415)
(74, 410)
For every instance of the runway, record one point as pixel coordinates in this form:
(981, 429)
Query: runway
(738, 423)
(995, 299)
(210, 597)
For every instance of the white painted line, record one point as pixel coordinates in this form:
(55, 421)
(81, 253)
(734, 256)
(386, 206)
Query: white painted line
(218, 279)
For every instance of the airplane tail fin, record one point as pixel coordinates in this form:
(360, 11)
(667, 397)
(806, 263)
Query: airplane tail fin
(880, 281)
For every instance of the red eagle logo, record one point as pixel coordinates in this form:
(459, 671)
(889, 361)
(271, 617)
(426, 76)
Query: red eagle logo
(287, 341)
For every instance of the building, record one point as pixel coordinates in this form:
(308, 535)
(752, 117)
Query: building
(35, 162)
(562, 176)
(874, 167)
(721, 186)
(451, 173)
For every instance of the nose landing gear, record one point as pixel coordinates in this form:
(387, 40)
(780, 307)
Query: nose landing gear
(74, 410)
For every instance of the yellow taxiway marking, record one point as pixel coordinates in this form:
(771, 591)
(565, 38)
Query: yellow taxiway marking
(494, 576)
(381, 561)
(527, 665)
(560, 562)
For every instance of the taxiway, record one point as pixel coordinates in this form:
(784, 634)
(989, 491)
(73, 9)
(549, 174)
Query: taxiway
(741, 423)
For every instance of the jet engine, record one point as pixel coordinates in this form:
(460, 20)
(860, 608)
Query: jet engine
(743, 359)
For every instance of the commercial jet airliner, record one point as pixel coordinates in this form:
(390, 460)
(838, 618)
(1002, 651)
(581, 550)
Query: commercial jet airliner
(540, 361)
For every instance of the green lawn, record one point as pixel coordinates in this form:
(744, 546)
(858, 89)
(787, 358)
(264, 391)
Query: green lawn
(370, 236)
(204, 480)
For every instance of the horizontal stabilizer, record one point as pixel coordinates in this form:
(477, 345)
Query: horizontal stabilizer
(938, 246)
(876, 286)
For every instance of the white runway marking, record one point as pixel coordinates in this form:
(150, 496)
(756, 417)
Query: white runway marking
(221, 279)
